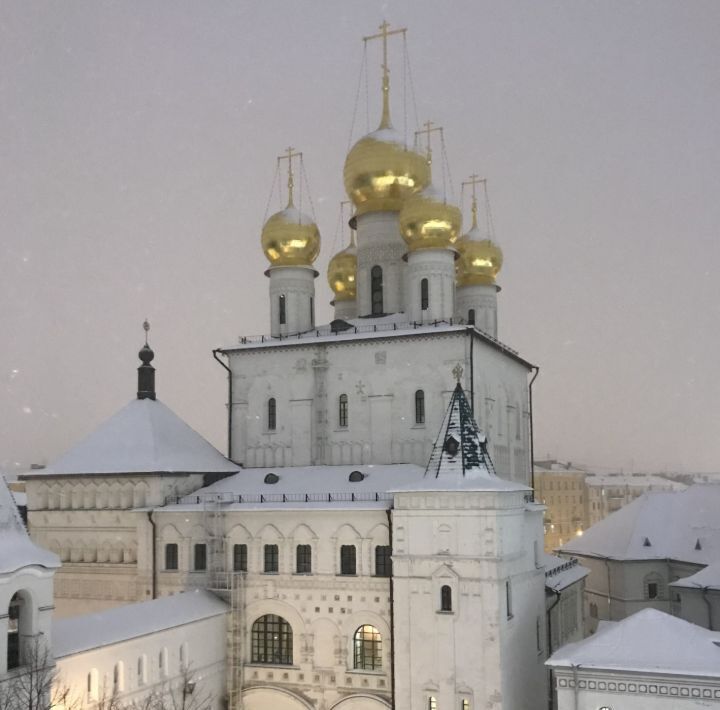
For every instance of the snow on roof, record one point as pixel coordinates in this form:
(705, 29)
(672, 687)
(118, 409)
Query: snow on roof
(679, 525)
(460, 459)
(307, 486)
(145, 436)
(560, 572)
(104, 628)
(16, 548)
(706, 578)
(635, 480)
(649, 641)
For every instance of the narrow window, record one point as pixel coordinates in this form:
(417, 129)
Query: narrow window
(171, 556)
(13, 638)
(465, 704)
(312, 313)
(271, 414)
(200, 557)
(376, 290)
(347, 559)
(424, 295)
(163, 663)
(272, 640)
(92, 684)
(383, 561)
(281, 308)
(271, 559)
(538, 635)
(419, 407)
(367, 649)
(432, 703)
(141, 672)
(343, 410)
(240, 558)
(183, 654)
(445, 598)
(303, 559)
(118, 677)
(652, 590)
(471, 316)
(508, 600)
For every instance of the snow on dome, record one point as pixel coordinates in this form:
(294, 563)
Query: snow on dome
(145, 436)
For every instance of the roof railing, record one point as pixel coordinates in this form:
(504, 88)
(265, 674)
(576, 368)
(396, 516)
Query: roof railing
(248, 498)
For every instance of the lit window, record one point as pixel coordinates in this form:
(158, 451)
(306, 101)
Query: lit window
(383, 561)
(171, 556)
(272, 640)
(271, 559)
(271, 414)
(303, 559)
(424, 295)
(347, 559)
(343, 410)
(240, 558)
(376, 290)
(432, 703)
(465, 704)
(367, 645)
(419, 407)
(445, 598)
(200, 557)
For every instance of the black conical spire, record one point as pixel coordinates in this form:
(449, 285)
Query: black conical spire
(146, 372)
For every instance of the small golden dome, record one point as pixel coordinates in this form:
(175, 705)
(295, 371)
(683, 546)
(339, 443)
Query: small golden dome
(480, 260)
(427, 221)
(381, 172)
(342, 273)
(290, 238)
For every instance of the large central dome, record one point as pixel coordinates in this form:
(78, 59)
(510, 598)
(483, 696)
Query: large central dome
(381, 172)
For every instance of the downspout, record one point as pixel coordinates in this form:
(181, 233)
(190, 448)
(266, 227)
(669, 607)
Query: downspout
(392, 618)
(230, 400)
(549, 645)
(532, 433)
(154, 554)
(709, 607)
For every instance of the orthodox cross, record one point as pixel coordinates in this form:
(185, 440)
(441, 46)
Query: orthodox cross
(146, 328)
(457, 371)
(384, 33)
(429, 129)
(474, 180)
(290, 154)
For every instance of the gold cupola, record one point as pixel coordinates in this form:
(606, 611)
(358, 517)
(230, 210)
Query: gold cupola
(342, 272)
(290, 237)
(380, 170)
(427, 220)
(480, 258)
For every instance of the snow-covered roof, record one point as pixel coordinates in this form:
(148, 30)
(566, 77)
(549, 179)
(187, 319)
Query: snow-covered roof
(390, 326)
(649, 641)
(706, 578)
(16, 548)
(307, 487)
(679, 525)
(145, 436)
(460, 459)
(645, 481)
(560, 572)
(104, 628)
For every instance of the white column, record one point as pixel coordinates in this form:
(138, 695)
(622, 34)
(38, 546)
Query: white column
(482, 300)
(438, 267)
(295, 286)
(379, 244)
(345, 309)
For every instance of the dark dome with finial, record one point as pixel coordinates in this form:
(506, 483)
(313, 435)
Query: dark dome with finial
(146, 354)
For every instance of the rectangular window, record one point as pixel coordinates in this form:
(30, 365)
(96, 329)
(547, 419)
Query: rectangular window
(240, 558)
(508, 600)
(347, 559)
(303, 559)
(383, 561)
(171, 556)
(652, 590)
(271, 559)
(343, 411)
(200, 557)
(281, 307)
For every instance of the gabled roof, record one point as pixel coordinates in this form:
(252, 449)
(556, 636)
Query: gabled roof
(460, 459)
(103, 628)
(682, 525)
(16, 548)
(649, 641)
(145, 436)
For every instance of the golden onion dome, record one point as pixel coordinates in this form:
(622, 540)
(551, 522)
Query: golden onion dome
(427, 221)
(342, 273)
(480, 259)
(290, 238)
(381, 172)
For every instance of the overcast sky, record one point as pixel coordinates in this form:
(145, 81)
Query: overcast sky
(137, 151)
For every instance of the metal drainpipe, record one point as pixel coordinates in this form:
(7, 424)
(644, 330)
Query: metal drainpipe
(549, 646)
(532, 433)
(154, 565)
(230, 402)
(709, 607)
(392, 617)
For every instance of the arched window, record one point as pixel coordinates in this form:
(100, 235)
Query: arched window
(367, 645)
(183, 654)
(272, 640)
(471, 316)
(432, 703)
(13, 638)
(119, 677)
(424, 295)
(281, 310)
(271, 414)
(303, 559)
(376, 291)
(343, 410)
(419, 407)
(163, 663)
(445, 598)
(92, 684)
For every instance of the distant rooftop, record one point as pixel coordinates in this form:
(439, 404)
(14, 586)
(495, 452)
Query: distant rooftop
(561, 572)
